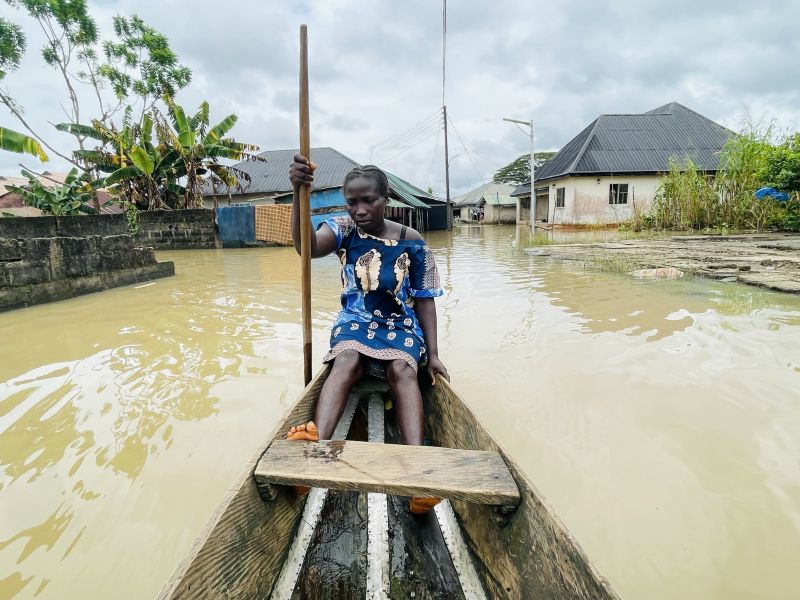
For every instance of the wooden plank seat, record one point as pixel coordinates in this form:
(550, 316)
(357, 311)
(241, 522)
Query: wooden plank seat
(468, 475)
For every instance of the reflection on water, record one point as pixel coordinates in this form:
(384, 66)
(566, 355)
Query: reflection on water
(660, 419)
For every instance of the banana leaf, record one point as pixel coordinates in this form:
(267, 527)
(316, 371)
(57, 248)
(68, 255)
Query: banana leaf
(83, 130)
(141, 160)
(123, 173)
(220, 129)
(14, 141)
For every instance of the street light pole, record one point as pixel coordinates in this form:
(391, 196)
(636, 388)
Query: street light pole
(533, 168)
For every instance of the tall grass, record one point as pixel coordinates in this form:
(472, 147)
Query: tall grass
(688, 198)
(685, 199)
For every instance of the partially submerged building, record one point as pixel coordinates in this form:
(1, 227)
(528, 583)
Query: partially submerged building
(269, 185)
(496, 196)
(613, 167)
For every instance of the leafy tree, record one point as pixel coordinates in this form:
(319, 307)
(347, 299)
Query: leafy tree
(136, 168)
(201, 147)
(70, 33)
(519, 171)
(157, 72)
(782, 166)
(12, 47)
(12, 44)
(164, 160)
(70, 198)
(140, 61)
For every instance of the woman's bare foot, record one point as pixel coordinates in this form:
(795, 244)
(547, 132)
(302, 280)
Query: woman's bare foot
(421, 506)
(304, 432)
(307, 432)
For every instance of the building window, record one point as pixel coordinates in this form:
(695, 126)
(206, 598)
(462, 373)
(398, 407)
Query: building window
(559, 197)
(618, 193)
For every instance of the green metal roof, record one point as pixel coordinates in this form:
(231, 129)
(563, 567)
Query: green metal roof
(406, 192)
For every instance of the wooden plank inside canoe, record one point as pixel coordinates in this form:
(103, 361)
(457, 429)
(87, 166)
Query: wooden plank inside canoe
(467, 475)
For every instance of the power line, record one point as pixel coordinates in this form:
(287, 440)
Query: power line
(408, 141)
(463, 145)
(401, 151)
(430, 119)
(491, 162)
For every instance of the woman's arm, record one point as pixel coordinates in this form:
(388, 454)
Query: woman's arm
(323, 241)
(426, 314)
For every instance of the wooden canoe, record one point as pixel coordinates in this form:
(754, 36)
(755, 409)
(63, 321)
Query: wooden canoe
(491, 539)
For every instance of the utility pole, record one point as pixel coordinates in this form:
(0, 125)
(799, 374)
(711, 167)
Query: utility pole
(447, 174)
(533, 168)
(444, 114)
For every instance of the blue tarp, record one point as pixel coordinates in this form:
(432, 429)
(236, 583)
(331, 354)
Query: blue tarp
(237, 224)
(768, 192)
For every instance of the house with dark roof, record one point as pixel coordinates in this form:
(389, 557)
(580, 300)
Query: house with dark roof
(613, 167)
(269, 184)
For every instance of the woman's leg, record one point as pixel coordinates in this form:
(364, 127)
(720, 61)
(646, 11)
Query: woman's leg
(346, 371)
(405, 387)
(403, 381)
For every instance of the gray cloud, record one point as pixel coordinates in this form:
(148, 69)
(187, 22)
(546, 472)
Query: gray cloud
(376, 71)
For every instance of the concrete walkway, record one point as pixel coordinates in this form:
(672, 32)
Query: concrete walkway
(767, 260)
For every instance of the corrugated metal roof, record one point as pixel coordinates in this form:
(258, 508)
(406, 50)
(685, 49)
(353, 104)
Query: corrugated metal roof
(498, 199)
(473, 196)
(638, 143)
(272, 176)
(405, 191)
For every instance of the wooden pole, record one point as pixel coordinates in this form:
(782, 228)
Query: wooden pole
(305, 206)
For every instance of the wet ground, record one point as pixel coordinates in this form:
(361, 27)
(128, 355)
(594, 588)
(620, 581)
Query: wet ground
(766, 260)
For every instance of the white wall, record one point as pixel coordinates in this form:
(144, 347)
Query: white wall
(586, 199)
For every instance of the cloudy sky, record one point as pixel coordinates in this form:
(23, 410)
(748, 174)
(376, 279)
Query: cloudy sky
(376, 69)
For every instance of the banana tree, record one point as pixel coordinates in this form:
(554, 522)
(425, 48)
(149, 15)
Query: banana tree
(70, 198)
(201, 148)
(141, 171)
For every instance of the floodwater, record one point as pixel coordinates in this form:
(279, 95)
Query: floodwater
(661, 420)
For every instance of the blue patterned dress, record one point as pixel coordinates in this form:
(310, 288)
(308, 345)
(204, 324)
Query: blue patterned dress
(380, 279)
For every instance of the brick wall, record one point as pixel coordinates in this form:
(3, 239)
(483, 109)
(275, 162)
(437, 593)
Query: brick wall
(71, 226)
(178, 229)
(43, 259)
(274, 224)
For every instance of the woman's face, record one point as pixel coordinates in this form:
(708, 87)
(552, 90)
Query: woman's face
(364, 204)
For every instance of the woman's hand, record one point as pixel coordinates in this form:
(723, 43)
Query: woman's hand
(435, 366)
(301, 171)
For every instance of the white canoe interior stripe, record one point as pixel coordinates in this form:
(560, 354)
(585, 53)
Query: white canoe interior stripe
(293, 564)
(467, 575)
(377, 515)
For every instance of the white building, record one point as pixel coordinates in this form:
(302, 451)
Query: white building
(612, 168)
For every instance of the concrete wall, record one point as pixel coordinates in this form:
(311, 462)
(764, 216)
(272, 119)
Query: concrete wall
(500, 214)
(52, 258)
(177, 229)
(586, 199)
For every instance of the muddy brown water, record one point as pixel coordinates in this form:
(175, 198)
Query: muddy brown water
(661, 419)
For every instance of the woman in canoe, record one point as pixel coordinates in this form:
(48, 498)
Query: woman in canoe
(388, 316)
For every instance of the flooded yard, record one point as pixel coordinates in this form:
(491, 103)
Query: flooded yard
(660, 419)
